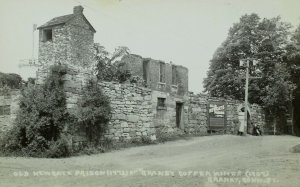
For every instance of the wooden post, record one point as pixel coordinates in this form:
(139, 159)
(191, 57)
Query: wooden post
(246, 98)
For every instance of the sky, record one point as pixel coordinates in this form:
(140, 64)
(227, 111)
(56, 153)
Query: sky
(186, 32)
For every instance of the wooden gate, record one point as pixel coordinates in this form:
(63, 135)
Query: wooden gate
(216, 116)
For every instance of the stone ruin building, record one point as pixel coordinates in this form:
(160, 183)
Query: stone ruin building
(164, 105)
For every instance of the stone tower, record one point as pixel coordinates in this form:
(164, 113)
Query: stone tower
(67, 40)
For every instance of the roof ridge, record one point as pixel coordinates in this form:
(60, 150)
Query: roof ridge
(64, 19)
(57, 20)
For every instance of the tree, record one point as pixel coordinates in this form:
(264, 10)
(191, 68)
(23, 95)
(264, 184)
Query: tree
(106, 68)
(293, 59)
(264, 43)
(11, 80)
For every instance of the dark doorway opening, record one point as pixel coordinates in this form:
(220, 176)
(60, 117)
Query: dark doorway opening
(178, 114)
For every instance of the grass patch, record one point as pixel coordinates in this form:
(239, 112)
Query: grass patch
(107, 145)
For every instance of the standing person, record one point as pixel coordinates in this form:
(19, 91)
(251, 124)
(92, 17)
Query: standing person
(241, 121)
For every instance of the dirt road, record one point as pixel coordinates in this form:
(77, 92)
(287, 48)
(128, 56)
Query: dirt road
(203, 161)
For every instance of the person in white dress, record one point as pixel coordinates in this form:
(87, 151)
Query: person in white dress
(241, 121)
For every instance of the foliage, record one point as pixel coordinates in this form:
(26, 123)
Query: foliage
(12, 80)
(163, 135)
(94, 111)
(42, 116)
(106, 68)
(43, 107)
(264, 43)
(5, 90)
(293, 59)
(141, 140)
(278, 89)
(146, 140)
(59, 148)
(138, 81)
(36, 148)
(30, 81)
(10, 143)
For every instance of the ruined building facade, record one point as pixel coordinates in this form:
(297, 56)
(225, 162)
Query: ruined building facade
(164, 105)
(158, 75)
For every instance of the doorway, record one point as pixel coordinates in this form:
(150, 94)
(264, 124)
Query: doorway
(179, 107)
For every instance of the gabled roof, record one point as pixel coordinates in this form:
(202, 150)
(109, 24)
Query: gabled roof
(57, 21)
(63, 20)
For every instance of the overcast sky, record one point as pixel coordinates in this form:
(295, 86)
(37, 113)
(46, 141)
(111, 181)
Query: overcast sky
(186, 32)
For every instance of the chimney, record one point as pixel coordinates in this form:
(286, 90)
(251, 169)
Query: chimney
(77, 9)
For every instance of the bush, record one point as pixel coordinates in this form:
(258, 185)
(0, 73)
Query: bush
(94, 112)
(139, 81)
(36, 148)
(10, 143)
(59, 148)
(43, 108)
(41, 118)
(146, 140)
(12, 80)
(136, 141)
(162, 135)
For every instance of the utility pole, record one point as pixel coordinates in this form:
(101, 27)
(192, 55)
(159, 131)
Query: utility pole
(244, 62)
(31, 61)
(33, 29)
(246, 98)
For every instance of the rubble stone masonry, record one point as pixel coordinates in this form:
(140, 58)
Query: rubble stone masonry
(9, 105)
(135, 110)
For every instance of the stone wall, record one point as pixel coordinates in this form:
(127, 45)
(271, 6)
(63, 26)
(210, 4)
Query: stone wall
(198, 114)
(136, 65)
(74, 81)
(57, 49)
(81, 42)
(182, 80)
(232, 121)
(165, 117)
(9, 100)
(258, 116)
(132, 112)
(136, 112)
